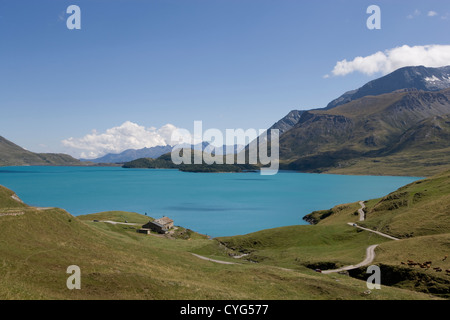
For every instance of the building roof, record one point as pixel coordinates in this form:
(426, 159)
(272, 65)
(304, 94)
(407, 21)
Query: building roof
(148, 224)
(156, 223)
(164, 220)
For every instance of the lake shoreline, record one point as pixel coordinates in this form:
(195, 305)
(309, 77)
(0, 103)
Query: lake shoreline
(283, 171)
(250, 202)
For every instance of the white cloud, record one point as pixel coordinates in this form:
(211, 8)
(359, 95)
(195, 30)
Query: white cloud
(392, 59)
(416, 13)
(432, 13)
(129, 135)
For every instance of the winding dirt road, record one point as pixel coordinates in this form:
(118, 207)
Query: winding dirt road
(370, 230)
(370, 256)
(370, 251)
(212, 260)
(361, 211)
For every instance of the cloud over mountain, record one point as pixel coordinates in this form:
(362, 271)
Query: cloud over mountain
(389, 60)
(129, 135)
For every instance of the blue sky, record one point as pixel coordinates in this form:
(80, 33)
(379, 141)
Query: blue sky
(230, 63)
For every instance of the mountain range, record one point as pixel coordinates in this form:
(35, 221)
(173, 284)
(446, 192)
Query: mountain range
(397, 124)
(132, 154)
(156, 152)
(419, 78)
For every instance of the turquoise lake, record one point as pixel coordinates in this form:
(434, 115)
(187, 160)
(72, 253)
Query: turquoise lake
(217, 204)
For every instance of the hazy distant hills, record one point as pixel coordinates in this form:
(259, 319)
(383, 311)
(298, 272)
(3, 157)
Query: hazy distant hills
(405, 131)
(132, 154)
(155, 152)
(13, 155)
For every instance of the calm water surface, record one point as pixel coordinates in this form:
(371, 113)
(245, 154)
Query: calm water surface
(217, 204)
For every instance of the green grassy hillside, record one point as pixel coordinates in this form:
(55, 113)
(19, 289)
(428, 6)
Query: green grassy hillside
(13, 155)
(37, 246)
(117, 216)
(303, 246)
(418, 214)
(418, 209)
(9, 200)
(399, 133)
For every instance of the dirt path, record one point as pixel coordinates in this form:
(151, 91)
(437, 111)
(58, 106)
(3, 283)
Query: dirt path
(16, 198)
(125, 223)
(240, 256)
(370, 230)
(361, 211)
(212, 260)
(370, 256)
(362, 218)
(18, 213)
(43, 208)
(370, 251)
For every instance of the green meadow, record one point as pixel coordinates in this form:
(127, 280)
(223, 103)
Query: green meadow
(116, 262)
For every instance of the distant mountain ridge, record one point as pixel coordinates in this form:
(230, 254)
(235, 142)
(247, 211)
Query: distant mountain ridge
(418, 78)
(154, 153)
(397, 124)
(132, 154)
(365, 124)
(288, 122)
(13, 155)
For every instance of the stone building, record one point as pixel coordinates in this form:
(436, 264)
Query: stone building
(162, 225)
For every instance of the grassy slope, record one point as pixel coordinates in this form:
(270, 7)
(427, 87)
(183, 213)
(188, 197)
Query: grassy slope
(7, 202)
(13, 155)
(332, 242)
(420, 150)
(298, 246)
(117, 263)
(392, 134)
(118, 216)
(420, 208)
(419, 213)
